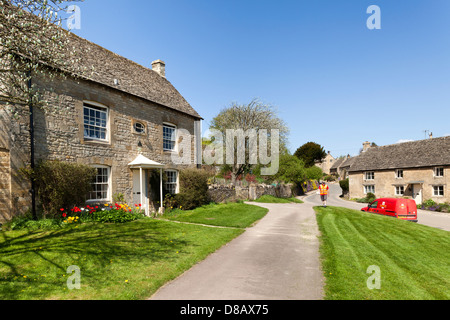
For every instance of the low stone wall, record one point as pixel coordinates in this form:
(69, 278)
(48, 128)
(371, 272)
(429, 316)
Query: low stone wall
(223, 193)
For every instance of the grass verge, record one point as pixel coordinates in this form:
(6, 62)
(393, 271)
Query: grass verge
(413, 259)
(126, 261)
(272, 199)
(233, 215)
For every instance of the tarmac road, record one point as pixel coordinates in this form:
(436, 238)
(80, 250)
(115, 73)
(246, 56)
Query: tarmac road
(277, 259)
(432, 219)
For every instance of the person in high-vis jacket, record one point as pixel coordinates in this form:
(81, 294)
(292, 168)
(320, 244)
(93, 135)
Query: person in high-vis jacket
(323, 189)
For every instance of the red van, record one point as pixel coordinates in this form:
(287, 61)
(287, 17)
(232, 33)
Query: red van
(405, 209)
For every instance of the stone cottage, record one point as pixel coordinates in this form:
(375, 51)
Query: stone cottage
(123, 120)
(417, 169)
(326, 163)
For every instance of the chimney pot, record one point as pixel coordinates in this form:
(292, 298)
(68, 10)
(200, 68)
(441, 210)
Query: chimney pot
(366, 146)
(159, 67)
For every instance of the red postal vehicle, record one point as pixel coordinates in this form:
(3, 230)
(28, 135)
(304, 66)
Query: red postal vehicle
(405, 209)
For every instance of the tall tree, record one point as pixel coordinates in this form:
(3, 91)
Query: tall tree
(252, 120)
(33, 45)
(310, 152)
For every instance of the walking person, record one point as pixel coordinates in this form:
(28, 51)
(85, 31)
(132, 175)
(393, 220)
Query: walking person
(323, 188)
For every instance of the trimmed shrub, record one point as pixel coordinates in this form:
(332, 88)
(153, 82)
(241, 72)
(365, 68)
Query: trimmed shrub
(344, 185)
(193, 189)
(370, 197)
(61, 184)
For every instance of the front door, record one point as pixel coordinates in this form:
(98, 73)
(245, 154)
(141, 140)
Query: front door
(417, 193)
(137, 199)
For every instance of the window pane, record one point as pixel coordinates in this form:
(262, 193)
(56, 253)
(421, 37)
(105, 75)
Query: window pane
(95, 123)
(171, 181)
(169, 136)
(100, 185)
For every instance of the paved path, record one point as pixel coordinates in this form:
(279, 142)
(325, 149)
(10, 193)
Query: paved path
(277, 259)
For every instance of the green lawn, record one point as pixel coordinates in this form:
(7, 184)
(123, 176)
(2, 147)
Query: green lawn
(272, 199)
(414, 260)
(117, 261)
(234, 215)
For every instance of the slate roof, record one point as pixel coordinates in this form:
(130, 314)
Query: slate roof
(337, 163)
(348, 163)
(108, 67)
(414, 154)
(132, 77)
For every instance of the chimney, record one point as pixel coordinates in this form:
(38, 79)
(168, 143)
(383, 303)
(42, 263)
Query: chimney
(159, 67)
(366, 146)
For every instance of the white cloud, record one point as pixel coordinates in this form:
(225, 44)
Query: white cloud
(404, 140)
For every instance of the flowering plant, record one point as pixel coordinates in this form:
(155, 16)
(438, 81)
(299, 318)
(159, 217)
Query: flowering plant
(102, 213)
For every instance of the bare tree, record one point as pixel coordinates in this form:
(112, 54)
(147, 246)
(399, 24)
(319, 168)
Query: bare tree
(33, 43)
(250, 120)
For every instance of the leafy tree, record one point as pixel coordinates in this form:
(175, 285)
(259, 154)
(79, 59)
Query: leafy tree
(314, 173)
(252, 117)
(292, 169)
(310, 152)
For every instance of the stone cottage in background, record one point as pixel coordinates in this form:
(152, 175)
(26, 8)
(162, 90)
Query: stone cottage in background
(418, 169)
(122, 120)
(326, 163)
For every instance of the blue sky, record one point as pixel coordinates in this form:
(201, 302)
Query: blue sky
(333, 81)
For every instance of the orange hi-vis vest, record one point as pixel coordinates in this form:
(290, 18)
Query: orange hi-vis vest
(323, 190)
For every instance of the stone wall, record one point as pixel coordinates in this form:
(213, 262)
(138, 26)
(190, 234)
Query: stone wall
(223, 193)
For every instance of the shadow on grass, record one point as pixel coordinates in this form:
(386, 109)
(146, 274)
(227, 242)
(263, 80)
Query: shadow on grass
(34, 264)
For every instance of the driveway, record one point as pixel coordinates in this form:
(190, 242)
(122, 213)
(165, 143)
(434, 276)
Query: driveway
(277, 259)
(432, 219)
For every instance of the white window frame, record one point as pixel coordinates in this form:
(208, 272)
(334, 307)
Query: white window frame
(96, 107)
(400, 190)
(399, 174)
(173, 137)
(435, 171)
(437, 188)
(366, 191)
(369, 175)
(108, 184)
(167, 183)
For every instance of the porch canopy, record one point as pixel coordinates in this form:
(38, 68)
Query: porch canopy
(141, 162)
